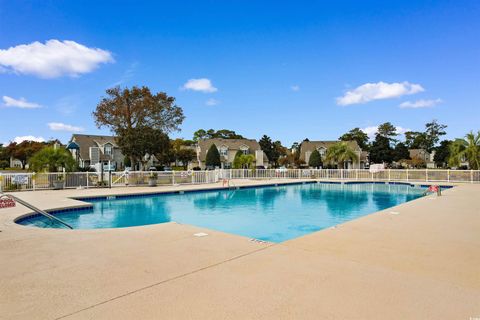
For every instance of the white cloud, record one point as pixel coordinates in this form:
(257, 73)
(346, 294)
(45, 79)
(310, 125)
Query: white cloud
(421, 103)
(52, 59)
(212, 102)
(58, 126)
(21, 103)
(372, 131)
(378, 91)
(295, 88)
(202, 85)
(27, 138)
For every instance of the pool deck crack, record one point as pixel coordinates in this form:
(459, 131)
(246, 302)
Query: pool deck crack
(167, 280)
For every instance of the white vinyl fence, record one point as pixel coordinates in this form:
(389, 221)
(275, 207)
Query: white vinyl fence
(43, 181)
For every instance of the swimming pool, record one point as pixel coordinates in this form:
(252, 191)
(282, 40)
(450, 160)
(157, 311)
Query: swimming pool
(274, 213)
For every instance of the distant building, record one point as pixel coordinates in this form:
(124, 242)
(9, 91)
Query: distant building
(307, 147)
(228, 149)
(423, 155)
(15, 163)
(90, 150)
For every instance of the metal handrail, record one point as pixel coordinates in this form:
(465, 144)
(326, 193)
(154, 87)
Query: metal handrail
(40, 211)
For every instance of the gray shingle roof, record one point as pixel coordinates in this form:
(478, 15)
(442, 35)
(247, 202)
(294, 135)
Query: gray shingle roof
(312, 145)
(85, 141)
(232, 144)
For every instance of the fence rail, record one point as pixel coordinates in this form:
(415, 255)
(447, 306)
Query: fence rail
(45, 181)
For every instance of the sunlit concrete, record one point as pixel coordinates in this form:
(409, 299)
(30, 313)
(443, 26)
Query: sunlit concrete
(419, 262)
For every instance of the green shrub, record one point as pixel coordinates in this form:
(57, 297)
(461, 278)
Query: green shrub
(212, 158)
(315, 160)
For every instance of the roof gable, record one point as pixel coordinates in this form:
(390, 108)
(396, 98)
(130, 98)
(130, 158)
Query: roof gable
(231, 144)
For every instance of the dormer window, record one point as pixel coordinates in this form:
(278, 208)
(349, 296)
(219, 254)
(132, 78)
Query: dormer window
(108, 149)
(244, 149)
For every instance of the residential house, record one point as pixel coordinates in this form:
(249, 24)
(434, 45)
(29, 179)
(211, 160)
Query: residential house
(228, 149)
(16, 163)
(307, 147)
(423, 155)
(92, 150)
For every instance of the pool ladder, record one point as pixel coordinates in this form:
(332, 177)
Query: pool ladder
(39, 211)
(232, 189)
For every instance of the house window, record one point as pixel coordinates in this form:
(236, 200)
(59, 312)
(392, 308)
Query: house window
(322, 151)
(108, 149)
(244, 150)
(224, 151)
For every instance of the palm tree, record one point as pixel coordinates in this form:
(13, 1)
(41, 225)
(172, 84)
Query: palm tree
(340, 153)
(466, 149)
(51, 159)
(243, 161)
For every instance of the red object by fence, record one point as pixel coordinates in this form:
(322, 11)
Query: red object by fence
(7, 202)
(433, 189)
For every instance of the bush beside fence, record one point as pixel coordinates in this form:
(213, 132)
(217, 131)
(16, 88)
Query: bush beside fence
(43, 181)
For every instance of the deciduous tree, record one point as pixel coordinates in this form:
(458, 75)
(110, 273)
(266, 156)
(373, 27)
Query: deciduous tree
(141, 142)
(24, 150)
(124, 110)
(185, 156)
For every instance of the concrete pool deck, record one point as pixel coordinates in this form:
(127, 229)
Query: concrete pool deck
(422, 262)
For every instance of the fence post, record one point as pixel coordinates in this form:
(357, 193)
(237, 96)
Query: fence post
(426, 175)
(448, 175)
(356, 174)
(471, 176)
(407, 174)
(87, 180)
(33, 180)
(389, 174)
(173, 178)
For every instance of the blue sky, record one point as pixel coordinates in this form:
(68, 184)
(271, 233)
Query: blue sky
(290, 70)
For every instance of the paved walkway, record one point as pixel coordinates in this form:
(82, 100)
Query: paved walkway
(421, 263)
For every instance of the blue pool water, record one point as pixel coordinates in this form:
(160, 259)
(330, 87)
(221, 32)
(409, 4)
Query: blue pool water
(272, 214)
